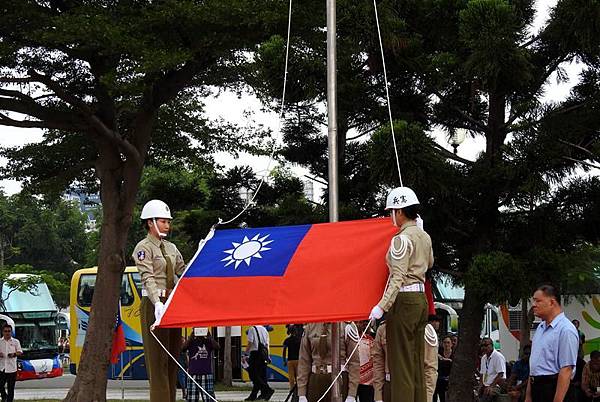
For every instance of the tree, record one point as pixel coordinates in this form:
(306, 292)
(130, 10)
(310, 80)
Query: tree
(115, 84)
(474, 65)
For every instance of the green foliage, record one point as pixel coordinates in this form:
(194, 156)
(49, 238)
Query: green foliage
(46, 233)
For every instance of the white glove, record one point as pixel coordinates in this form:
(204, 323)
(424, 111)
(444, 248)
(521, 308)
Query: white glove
(378, 401)
(376, 313)
(159, 309)
(302, 399)
(350, 399)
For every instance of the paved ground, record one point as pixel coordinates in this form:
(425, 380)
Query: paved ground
(57, 388)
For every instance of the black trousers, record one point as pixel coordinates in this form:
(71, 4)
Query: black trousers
(543, 390)
(8, 380)
(257, 371)
(365, 393)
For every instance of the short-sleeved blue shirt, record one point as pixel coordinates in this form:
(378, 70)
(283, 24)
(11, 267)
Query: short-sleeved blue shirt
(553, 347)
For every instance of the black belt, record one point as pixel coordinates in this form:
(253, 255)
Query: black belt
(543, 379)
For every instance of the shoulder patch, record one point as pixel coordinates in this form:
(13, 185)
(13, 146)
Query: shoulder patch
(141, 255)
(400, 247)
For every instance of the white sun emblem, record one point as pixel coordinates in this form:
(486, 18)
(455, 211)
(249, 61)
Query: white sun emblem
(247, 249)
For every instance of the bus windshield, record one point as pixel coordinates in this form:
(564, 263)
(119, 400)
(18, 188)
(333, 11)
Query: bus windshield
(37, 337)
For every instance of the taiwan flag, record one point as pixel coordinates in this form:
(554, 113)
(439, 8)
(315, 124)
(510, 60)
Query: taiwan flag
(289, 274)
(118, 342)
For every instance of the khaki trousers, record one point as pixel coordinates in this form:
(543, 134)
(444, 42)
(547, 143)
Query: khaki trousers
(292, 366)
(162, 371)
(431, 367)
(387, 392)
(318, 384)
(405, 333)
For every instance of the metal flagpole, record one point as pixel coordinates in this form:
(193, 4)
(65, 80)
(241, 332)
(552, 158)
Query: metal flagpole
(122, 377)
(336, 395)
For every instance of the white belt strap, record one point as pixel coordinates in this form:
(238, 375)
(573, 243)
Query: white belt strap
(314, 369)
(415, 287)
(161, 293)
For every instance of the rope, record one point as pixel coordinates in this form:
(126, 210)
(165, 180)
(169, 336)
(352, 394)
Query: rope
(180, 366)
(387, 91)
(347, 361)
(281, 109)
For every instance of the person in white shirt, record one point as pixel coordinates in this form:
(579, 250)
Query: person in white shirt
(257, 369)
(492, 371)
(10, 348)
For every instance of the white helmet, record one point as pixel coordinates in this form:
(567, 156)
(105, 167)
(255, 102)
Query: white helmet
(156, 209)
(401, 197)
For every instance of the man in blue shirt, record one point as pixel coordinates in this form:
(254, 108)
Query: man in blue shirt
(554, 349)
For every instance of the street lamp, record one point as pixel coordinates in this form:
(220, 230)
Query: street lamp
(457, 138)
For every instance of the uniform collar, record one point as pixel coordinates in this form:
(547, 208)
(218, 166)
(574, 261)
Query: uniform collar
(408, 224)
(153, 240)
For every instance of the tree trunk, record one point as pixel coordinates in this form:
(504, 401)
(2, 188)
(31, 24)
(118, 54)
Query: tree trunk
(465, 358)
(525, 325)
(227, 367)
(119, 183)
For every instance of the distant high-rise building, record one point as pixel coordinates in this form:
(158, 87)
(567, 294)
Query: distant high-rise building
(89, 204)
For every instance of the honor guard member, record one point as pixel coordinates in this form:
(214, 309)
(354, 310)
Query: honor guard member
(314, 365)
(431, 360)
(381, 370)
(158, 262)
(409, 257)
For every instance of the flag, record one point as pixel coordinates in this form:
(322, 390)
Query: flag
(118, 341)
(275, 275)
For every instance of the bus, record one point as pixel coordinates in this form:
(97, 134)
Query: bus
(34, 314)
(131, 364)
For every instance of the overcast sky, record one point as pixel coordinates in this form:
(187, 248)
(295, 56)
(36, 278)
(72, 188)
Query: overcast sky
(232, 108)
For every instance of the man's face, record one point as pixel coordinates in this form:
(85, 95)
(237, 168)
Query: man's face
(542, 304)
(487, 346)
(595, 364)
(6, 333)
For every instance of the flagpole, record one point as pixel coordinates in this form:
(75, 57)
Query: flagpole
(333, 170)
(122, 378)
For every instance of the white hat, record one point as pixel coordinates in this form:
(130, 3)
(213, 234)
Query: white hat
(401, 197)
(156, 209)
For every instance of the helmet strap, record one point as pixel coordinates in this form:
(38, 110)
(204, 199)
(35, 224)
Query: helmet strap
(160, 234)
(394, 217)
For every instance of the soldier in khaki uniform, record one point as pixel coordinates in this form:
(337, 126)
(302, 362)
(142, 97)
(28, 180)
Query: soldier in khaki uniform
(381, 371)
(431, 360)
(314, 365)
(158, 262)
(409, 257)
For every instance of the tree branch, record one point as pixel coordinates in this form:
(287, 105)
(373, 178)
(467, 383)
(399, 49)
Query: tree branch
(84, 109)
(444, 152)
(463, 114)
(579, 147)
(548, 115)
(7, 121)
(581, 162)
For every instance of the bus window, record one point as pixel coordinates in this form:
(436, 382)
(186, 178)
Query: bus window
(86, 290)
(137, 281)
(126, 292)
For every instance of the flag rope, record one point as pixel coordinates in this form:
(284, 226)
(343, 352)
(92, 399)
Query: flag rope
(180, 366)
(278, 135)
(387, 92)
(215, 400)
